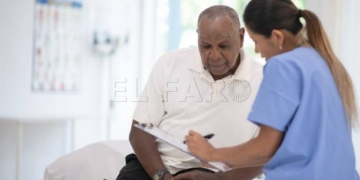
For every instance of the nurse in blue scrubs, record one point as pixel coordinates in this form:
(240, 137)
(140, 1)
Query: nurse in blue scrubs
(305, 107)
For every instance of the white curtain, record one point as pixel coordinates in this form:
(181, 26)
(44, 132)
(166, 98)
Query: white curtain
(341, 23)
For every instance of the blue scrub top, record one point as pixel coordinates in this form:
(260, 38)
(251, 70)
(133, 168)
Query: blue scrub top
(298, 96)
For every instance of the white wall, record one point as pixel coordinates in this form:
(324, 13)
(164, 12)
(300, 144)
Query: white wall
(18, 101)
(350, 39)
(38, 151)
(128, 63)
(330, 14)
(8, 150)
(26, 148)
(36, 128)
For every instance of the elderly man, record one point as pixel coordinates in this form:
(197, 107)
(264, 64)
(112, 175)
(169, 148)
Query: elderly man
(209, 89)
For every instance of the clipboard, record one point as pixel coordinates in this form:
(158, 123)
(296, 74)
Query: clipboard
(177, 143)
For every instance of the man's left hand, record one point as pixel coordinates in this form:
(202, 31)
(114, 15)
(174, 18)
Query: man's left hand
(197, 175)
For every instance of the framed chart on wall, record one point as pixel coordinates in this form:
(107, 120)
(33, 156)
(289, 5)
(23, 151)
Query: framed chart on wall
(57, 45)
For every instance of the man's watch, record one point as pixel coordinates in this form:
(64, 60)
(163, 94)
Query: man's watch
(159, 175)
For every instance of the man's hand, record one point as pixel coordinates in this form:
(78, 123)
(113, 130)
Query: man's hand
(197, 175)
(168, 176)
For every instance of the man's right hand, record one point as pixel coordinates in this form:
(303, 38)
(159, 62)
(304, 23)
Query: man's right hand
(197, 175)
(168, 176)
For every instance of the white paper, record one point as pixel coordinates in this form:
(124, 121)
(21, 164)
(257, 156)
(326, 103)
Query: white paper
(177, 143)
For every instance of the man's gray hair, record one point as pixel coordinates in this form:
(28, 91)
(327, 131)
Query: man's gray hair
(220, 11)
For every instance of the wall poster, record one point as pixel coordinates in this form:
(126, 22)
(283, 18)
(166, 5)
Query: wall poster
(57, 46)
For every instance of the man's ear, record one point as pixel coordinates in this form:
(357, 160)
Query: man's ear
(241, 34)
(197, 31)
(277, 37)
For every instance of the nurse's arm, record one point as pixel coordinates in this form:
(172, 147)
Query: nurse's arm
(256, 152)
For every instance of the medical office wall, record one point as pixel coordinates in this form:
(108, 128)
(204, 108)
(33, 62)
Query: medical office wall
(44, 72)
(34, 118)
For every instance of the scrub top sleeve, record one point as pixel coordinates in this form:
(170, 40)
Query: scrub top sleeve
(279, 95)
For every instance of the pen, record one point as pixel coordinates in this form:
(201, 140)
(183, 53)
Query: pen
(209, 136)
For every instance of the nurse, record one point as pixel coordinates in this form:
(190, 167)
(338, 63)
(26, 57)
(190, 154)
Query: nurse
(305, 107)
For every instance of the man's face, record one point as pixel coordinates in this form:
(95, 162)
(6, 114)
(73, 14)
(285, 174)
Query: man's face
(219, 43)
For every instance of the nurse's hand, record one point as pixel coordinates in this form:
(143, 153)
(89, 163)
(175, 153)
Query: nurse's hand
(199, 146)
